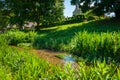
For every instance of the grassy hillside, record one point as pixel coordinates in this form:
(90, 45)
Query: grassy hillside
(98, 38)
(97, 41)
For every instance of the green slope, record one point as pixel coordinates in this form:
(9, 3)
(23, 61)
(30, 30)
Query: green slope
(94, 38)
(90, 40)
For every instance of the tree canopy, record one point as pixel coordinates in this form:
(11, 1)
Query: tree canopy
(39, 11)
(99, 7)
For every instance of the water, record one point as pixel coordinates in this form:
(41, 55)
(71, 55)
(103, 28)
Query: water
(69, 58)
(69, 61)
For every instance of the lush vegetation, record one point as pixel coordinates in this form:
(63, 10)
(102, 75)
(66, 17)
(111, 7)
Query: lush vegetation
(93, 42)
(19, 65)
(15, 37)
(93, 39)
(38, 11)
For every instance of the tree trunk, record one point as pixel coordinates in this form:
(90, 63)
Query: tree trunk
(117, 13)
(37, 26)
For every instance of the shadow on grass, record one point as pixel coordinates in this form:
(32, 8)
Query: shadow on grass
(58, 39)
(106, 25)
(65, 36)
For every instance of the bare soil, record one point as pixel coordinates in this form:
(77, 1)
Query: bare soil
(49, 56)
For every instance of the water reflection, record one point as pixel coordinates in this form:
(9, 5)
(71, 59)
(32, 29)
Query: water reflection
(69, 61)
(69, 58)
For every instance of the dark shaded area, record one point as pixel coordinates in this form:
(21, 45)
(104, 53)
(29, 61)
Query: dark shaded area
(68, 20)
(107, 25)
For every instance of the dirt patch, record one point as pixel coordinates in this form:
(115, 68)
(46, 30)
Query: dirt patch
(49, 56)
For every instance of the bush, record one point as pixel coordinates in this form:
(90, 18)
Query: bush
(16, 37)
(48, 43)
(75, 19)
(91, 18)
(3, 41)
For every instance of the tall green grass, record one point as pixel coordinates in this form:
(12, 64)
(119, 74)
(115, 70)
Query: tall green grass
(15, 37)
(88, 39)
(22, 65)
(97, 39)
(96, 45)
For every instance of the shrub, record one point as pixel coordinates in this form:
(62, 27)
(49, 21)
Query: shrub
(3, 41)
(16, 37)
(91, 18)
(75, 19)
(48, 43)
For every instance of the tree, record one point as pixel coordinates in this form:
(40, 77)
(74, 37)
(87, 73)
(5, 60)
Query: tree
(3, 20)
(100, 6)
(39, 11)
(3, 15)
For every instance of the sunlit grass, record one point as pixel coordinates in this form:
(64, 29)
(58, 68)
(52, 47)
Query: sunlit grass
(64, 27)
(89, 40)
(21, 65)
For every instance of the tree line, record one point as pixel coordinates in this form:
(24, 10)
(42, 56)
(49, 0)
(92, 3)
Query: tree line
(43, 12)
(99, 7)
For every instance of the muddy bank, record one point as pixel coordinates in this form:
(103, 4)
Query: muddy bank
(50, 56)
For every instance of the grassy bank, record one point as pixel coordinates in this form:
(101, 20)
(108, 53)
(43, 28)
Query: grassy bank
(22, 65)
(93, 39)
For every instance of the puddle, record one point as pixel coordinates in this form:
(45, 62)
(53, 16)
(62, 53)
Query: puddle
(69, 58)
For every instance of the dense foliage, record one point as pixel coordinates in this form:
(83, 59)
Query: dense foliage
(99, 7)
(75, 19)
(15, 37)
(94, 44)
(39, 11)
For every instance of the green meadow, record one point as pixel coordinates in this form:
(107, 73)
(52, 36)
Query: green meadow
(93, 39)
(97, 43)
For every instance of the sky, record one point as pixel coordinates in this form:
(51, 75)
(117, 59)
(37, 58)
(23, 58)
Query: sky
(68, 11)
